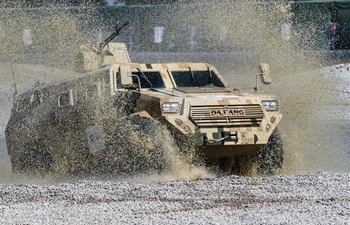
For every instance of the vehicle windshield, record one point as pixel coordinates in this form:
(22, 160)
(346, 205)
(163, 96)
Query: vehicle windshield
(196, 79)
(147, 79)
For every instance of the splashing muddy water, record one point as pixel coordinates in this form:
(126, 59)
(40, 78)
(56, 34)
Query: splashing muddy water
(311, 144)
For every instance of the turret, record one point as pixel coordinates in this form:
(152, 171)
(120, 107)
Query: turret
(92, 57)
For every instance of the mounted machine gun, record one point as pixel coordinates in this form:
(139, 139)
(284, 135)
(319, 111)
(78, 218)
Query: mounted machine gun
(92, 57)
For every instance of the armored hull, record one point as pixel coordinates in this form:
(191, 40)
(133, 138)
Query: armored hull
(75, 126)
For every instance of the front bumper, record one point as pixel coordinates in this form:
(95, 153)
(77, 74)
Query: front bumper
(224, 138)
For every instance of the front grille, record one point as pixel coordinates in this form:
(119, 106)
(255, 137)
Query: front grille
(227, 115)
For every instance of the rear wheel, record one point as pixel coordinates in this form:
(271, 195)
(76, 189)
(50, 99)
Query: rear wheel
(35, 160)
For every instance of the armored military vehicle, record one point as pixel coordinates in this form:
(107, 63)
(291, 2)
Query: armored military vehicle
(112, 113)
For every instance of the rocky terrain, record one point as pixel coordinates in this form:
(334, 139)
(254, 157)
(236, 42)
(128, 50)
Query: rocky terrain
(320, 198)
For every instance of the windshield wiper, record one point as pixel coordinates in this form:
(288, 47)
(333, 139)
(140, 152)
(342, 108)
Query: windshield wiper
(211, 77)
(144, 76)
(194, 81)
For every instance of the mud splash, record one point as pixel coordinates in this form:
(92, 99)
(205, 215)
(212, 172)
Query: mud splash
(301, 93)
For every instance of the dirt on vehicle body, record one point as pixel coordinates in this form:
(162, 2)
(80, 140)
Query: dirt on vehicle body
(89, 121)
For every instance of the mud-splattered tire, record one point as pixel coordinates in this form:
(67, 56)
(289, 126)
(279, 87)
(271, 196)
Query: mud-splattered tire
(268, 160)
(35, 160)
(186, 149)
(138, 148)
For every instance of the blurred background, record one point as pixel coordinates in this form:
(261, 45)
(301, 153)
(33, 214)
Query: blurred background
(47, 26)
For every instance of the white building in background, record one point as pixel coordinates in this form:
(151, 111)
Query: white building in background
(27, 37)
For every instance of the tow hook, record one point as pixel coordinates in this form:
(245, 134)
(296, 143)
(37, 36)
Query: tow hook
(225, 135)
(217, 139)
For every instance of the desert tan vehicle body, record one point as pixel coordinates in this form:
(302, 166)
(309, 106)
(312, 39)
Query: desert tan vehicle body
(219, 120)
(60, 127)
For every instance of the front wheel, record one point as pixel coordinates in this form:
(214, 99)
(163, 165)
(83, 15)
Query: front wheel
(138, 148)
(267, 160)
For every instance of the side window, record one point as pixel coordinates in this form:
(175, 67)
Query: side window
(65, 99)
(106, 78)
(148, 79)
(36, 98)
(91, 91)
(30, 102)
(117, 80)
(105, 88)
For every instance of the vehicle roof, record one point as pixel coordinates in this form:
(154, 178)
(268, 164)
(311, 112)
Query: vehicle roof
(179, 66)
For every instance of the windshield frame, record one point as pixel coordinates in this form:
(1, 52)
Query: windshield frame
(197, 78)
(148, 79)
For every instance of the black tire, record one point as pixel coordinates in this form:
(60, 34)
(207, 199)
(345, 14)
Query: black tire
(186, 149)
(138, 148)
(36, 160)
(268, 160)
(230, 165)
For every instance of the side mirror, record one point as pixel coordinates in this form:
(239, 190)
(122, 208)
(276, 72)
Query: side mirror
(125, 76)
(264, 72)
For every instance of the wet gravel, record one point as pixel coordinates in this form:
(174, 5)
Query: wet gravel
(320, 198)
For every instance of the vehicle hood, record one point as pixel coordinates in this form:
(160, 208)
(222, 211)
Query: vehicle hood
(203, 89)
(206, 91)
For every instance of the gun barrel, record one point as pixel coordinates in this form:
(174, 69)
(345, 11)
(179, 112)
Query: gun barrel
(112, 36)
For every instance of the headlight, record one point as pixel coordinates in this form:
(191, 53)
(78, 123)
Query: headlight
(170, 107)
(270, 105)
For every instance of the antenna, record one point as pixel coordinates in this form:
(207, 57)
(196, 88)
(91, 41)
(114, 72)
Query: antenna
(14, 82)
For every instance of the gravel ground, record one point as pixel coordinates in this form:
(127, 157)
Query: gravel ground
(320, 198)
